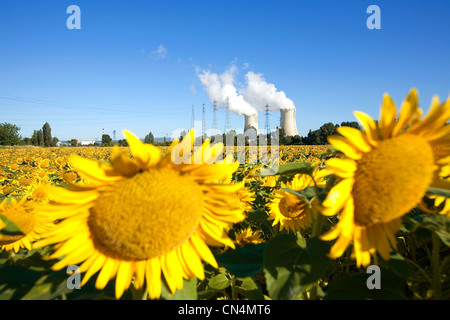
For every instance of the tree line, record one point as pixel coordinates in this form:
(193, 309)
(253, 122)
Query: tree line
(316, 137)
(9, 135)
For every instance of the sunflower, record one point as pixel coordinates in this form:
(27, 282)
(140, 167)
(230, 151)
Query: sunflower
(145, 218)
(39, 190)
(441, 204)
(30, 223)
(269, 181)
(289, 210)
(247, 236)
(386, 171)
(247, 197)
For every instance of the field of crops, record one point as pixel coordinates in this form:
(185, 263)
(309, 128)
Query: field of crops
(367, 217)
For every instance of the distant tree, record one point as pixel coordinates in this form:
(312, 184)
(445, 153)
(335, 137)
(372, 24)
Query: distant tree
(122, 143)
(320, 136)
(73, 142)
(9, 134)
(182, 134)
(34, 138)
(54, 141)
(353, 124)
(47, 132)
(106, 140)
(296, 139)
(40, 138)
(149, 138)
(281, 136)
(26, 141)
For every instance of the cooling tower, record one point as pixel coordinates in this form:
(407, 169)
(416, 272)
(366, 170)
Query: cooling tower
(288, 122)
(251, 122)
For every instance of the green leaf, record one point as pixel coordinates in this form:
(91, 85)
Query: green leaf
(291, 269)
(291, 168)
(306, 194)
(250, 290)
(219, 282)
(440, 224)
(16, 281)
(9, 228)
(49, 287)
(244, 261)
(399, 266)
(188, 292)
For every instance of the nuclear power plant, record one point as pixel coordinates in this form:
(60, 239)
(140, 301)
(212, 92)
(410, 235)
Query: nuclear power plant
(288, 121)
(251, 122)
(257, 96)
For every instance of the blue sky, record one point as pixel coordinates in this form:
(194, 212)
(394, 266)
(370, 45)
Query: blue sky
(109, 75)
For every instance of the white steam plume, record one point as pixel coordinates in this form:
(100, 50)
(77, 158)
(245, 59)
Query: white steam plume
(221, 87)
(259, 93)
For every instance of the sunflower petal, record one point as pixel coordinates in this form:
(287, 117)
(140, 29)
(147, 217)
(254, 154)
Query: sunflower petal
(387, 117)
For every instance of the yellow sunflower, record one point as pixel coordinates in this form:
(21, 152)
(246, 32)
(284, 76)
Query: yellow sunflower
(39, 190)
(290, 211)
(145, 217)
(269, 181)
(441, 204)
(247, 197)
(247, 236)
(386, 171)
(30, 223)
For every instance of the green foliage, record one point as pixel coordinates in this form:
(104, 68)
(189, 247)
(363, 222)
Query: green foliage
(73, 142)
(439, 224)
(243, 261)
(320, 136)
(9, 134)
(293, 265)
(292, 168)
(47, 135)
(149, 138)
(106, 140)
(122, 143)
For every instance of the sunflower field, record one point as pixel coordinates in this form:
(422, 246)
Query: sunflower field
(365, 217)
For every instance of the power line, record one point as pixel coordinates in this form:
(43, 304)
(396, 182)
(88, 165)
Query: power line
(227, 116)
(71, 107)
(267, 127)
(215, 107)
(204, 121)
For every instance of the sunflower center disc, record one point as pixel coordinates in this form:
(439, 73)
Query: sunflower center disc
(23, 219)
(391, 179)
(292, 206)
(147, 215)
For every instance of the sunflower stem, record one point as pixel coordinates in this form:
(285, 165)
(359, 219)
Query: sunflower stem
(318, 221)
(330, 183)
(436, 267)
(233, 288)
